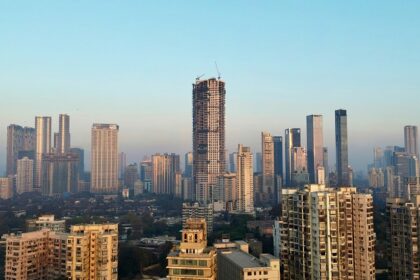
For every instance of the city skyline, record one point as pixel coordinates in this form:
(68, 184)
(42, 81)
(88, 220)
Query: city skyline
(339, 56)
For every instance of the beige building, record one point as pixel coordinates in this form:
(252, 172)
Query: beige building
(209, 158)
(315, 143)
(327, 233)
(192, 259)
(92, 252)
(38, 255)
(6, 187)
(267, 192)
(48, 222)
(104, 158)
(244, 180)
(25, 175)
(403, 216)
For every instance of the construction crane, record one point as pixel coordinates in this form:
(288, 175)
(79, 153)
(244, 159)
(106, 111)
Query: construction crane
(199, 77)
(217, 69)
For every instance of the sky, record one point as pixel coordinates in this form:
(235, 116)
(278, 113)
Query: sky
(133, 63)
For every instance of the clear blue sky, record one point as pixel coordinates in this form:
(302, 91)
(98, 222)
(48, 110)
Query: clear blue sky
(133, 63)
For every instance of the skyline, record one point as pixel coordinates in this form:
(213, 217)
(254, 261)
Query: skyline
(281, 62)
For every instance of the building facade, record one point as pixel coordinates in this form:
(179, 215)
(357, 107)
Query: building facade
(43, 146)
(318, 227)
(164, 172)
(63, 141)
(267, 193)
(315, 145)
(209, 159)
(104, 158)
(411, 143)
(291, 140)
(19, 139)
(341, 147)
(92, 252)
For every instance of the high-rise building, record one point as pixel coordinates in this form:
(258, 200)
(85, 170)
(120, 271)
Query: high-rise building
(19, 139)
(60, 174)
(315, 144)
(63, 141)
(208, 136)
(319, 229)
(43, 146)
(38, 255)
(81, 155)
(165, 168)
(188, 171)
(6, 187)
(131, 175)
(267, 194)
(403, 216)
(258, 162)
(341, 146)
(104, 158)
(291, 140)
(278, 155)
(298, 166)
(405, 165)
(244, 180)
(378, 157)
(326, 166)
(232, 162)
(228, 192)
(411, 140)
(25, 175)
(92, 252)
(192, 259)
(122, 165)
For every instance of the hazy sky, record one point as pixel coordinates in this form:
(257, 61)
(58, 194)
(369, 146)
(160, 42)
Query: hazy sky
(133, 63)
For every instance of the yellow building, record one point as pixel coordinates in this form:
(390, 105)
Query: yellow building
(92, 252)
(192, 259)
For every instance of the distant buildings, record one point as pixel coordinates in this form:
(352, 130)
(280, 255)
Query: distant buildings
(192, 259)
(411, 143)
(43, 146)
(104, 158)
(315, 145)
(164, 172)
(267, 192)
(197, 211)
(63, 141)
(244, 180)
(46, 222)
(19, 140)
(131, 175)
(341, 147)
(291, 140)
(60, 174)
(25, 175)
(188, 170)
(6, 187)
(324, 224)
(208, 136)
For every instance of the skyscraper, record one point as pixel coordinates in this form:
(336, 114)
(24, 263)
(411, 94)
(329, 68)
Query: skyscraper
(326, 166)
(43, 146)
(188, 171)
(165, 168)
(19, 139)
(104, 158)
(233, 162)
(244, 180)
(208, 136)
(81, 154)
(60, 173)
(341, 146)
(63, 141)
(411, 140)
(291, 140)
(25, 175)
(278, 155)
(267, 194)
(315, 144)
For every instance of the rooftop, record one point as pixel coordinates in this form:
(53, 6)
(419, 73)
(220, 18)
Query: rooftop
(242, 259)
